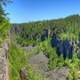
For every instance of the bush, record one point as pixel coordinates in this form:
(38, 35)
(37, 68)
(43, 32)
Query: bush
(17, 60)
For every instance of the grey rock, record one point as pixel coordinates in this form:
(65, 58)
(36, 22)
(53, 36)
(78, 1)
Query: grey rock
(39, 62)
(37, 59)
(58, 74)
(3, 62)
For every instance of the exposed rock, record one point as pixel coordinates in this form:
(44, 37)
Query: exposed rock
(39, 62)
(39, 58)
(3, 65)
(58, 74)
(3, 62)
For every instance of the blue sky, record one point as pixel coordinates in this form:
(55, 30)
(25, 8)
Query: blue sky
(32, 10)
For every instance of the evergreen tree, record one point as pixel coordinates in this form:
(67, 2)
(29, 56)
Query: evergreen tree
(2, 14)
(4, 23)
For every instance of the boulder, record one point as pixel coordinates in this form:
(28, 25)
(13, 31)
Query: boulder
(39, 62)
(58, 74)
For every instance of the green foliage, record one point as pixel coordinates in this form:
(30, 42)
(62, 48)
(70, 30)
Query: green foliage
(54, 60)
(4, 23)
(25, 42)
(4, 30)
(32, 31)
(33, 75)
(74, 67)
(17, 60)
(30, 34)
(57, 62)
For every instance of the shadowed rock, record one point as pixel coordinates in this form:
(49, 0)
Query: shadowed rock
(23, 74)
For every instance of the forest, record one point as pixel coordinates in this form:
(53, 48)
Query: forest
(40, 50)
(59, 40)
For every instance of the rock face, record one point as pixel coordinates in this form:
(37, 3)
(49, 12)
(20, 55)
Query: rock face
(39, 58)
(39, 63)
(58, 74)
(3, 62)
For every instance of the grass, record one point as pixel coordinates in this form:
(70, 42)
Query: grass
(18, 59)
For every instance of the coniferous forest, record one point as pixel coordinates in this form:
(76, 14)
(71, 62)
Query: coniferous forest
(39, 50)
(58, 40)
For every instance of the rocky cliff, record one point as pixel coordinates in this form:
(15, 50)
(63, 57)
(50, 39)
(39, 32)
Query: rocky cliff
(3, 61)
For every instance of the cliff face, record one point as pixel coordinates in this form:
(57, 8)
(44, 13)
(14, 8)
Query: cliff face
(3, 61)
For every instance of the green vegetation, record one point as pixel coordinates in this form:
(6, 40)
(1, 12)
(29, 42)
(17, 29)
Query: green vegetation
(39, 34)
(58, 62)
(4, 23)
(32, 33)
(18, 59)
(4, 29)
(26, 35)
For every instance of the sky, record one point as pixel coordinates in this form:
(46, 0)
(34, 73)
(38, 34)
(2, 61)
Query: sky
(21, 11)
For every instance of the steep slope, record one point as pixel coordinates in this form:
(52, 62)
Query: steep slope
(4, 61)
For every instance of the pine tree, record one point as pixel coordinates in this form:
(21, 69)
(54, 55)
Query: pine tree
(4, 23)
(2, 14)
